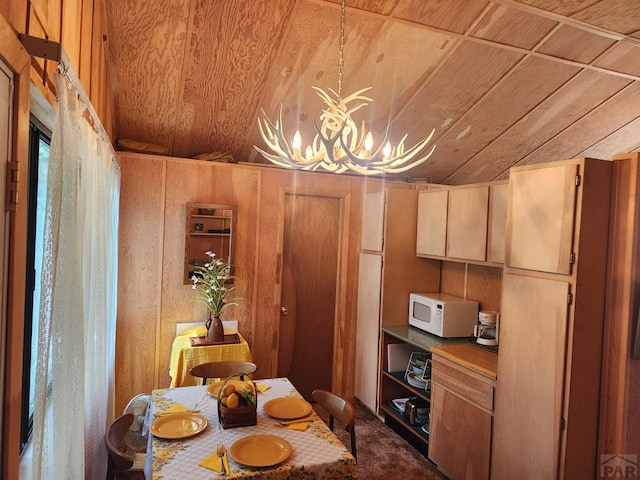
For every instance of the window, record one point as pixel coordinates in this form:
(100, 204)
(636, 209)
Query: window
(38, 167)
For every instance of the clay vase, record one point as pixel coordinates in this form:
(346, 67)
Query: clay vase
(215, 330)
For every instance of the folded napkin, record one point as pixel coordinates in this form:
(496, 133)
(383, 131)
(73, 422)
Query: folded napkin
(261, 387)
(175, 408)
(212, 462)
(302, 426)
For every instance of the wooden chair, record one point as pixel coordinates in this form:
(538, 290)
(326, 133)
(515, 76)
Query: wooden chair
(120, 463)
(340, 409)
(222, 369)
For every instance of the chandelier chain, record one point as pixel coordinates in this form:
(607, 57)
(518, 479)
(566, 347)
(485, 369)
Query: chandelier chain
(343, 21)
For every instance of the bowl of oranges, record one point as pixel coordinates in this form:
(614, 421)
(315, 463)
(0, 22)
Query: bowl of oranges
(237, 402)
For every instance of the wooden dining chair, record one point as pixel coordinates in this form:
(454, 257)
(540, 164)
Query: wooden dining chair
(340, 409)
(120, 463)
(222, 369)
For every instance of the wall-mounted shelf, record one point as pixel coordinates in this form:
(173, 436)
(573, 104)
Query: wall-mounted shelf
(209, 227)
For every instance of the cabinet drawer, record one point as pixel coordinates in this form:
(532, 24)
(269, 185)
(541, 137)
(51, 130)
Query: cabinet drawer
(460, 381)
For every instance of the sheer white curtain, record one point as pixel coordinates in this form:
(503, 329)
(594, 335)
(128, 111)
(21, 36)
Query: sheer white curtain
(74, 379)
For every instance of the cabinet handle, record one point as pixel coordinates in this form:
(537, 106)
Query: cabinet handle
(284, 311)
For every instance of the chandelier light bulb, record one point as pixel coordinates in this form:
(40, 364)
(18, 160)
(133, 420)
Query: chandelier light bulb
(297, 140)
(387, 150)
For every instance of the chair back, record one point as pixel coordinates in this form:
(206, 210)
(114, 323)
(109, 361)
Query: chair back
(340, 409)
(119, 460)
(222, 369)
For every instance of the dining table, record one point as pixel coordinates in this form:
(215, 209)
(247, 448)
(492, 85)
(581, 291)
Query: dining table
(185, 355)
(305, 448)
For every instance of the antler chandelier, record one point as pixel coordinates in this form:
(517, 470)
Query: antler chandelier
(338, 145)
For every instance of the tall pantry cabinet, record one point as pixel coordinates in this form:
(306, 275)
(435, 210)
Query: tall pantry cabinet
(551, 325)
(389, 270)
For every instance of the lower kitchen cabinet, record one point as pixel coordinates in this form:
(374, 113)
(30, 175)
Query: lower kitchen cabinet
(462, 392)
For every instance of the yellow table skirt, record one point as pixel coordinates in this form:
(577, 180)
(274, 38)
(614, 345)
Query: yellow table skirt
(184, 356)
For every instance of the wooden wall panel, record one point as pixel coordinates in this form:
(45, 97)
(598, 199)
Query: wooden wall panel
(155, 198)
(475, 282)
(71, 35)
(140, 251)
(15, 13)
(85, 66)
(619, 420)
(623, 57)
(202, 182)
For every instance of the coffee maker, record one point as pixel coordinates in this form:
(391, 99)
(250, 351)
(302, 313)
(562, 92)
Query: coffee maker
(486, 330)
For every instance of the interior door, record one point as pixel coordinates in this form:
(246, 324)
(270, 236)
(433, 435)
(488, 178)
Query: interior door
(311, 247)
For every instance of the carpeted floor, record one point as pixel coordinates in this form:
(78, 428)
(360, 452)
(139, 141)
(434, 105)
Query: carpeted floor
(382, 453)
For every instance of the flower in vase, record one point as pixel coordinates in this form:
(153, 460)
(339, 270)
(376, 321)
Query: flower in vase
(212, 281)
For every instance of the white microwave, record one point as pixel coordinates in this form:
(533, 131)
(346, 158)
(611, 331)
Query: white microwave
(443, 315)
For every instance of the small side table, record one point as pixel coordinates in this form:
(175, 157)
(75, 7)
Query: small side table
(184, 356)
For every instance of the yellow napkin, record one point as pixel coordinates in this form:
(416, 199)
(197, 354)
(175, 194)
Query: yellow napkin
(212, 462)
(262, 387)
(175, 408)
(302, 426)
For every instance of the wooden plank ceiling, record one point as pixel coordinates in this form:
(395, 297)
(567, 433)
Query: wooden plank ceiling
(504, 82)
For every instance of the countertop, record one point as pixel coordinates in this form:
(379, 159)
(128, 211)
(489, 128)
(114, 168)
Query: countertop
(420, 339)
(471, 356)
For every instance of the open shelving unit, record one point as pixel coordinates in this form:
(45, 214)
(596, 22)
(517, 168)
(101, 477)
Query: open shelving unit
(394, 385)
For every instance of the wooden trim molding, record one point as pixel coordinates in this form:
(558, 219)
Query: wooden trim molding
(18, 60)
(619, 422)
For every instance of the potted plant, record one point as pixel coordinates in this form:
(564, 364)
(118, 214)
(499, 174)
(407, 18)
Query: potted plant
(213, 283)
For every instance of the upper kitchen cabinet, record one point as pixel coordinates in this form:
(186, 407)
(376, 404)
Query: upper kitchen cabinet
(463, 223)
(542, 209)
(431, 235)
(467, 216)
(209, 228)
(389, 272)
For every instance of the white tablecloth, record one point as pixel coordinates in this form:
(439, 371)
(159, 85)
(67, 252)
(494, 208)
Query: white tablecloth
(317, 452)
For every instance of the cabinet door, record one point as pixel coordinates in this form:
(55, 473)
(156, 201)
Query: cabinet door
(531, 365)
(460, 436)
(431, 236)
(541, 218)
(367, 329)
(467, 223)
(373, 221)
(498, 198)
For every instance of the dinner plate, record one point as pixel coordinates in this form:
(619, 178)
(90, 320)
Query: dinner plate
(287, 408)
(178, 425)
(213, 389)
(260, 450)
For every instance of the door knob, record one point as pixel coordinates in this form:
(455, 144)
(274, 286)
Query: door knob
(284, 311)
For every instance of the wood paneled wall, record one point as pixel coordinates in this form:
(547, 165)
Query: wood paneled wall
(80, 26)
(151, 295)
